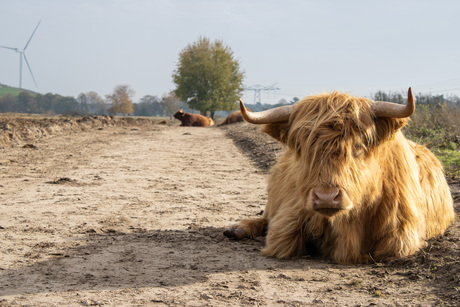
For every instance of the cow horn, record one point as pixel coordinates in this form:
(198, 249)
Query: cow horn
(274, 115)
(394, 110)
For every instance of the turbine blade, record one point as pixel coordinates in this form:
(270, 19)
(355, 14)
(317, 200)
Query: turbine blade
(32, 35)
(15, 49)
(27, 62)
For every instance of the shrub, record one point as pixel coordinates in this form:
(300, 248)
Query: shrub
(439, 129)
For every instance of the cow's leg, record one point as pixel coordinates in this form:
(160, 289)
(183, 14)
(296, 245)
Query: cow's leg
(398, 244)
(285, 238)
(248, 229)
(345, 245)
(404, 231)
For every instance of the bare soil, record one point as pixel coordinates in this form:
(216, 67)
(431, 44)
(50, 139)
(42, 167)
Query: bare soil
(101, 211)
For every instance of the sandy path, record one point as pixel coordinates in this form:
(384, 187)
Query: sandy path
(125, 216)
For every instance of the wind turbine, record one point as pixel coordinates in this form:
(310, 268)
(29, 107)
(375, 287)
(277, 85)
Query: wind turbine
(22, 54)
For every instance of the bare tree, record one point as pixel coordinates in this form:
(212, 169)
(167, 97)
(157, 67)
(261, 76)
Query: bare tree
(92, 103)
(171, 104)
(149, 106)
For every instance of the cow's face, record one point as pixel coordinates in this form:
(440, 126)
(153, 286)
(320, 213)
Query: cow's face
(334, 142)
(179, 114)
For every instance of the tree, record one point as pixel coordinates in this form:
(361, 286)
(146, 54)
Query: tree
(120, 99)
(91, 103)
(22, 102)
(171, 104)
(66, 105)
(208, 77)
(83, 101)
(294, 100)
(149, 106)
(96, 104)
(7, 103)
(283, 102)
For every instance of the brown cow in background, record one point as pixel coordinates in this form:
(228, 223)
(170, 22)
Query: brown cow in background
(349, 186)
(195, 120)
(234, 117)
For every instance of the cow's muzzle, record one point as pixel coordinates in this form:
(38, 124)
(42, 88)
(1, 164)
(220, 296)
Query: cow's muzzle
(328, 201)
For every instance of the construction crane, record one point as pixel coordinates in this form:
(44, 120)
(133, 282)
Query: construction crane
(258, 89)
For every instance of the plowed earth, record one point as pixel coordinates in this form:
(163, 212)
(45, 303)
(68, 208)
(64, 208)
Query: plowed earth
(113, 211)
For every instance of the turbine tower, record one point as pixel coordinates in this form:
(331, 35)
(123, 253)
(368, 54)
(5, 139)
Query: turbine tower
(22, 54)
(259, 88)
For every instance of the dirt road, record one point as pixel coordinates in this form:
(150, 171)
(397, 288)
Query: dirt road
(126, 216)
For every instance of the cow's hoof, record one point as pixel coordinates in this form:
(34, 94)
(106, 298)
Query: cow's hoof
(236, 233)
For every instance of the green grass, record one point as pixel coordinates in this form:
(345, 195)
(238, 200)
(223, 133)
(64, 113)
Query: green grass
(447, 152)
(438, 129)
(450, 159)
(14, 91)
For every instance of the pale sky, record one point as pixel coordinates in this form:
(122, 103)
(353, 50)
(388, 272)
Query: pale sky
(304, 47)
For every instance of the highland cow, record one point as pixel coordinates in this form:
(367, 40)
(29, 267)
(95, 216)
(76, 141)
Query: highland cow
(232, 118)
(349, 186)
(195, 120)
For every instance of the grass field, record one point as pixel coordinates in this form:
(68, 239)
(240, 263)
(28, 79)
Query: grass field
(11, 91)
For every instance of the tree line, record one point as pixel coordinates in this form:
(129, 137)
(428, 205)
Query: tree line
(91, 103)
(428, 100)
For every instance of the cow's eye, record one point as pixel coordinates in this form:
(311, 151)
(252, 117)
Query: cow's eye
(358, 149)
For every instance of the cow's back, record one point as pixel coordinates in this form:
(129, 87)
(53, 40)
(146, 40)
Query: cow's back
(436, 199)
(200, 120)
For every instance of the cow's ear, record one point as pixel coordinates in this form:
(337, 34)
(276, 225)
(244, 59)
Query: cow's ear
(278, 131)
(387, 127)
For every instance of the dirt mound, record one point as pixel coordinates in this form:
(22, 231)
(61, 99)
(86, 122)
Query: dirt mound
(15, 131)
(261, 148)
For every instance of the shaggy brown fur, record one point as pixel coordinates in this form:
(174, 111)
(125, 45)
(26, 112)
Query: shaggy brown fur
(394, 191)
(195, 120)
(234, 117)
